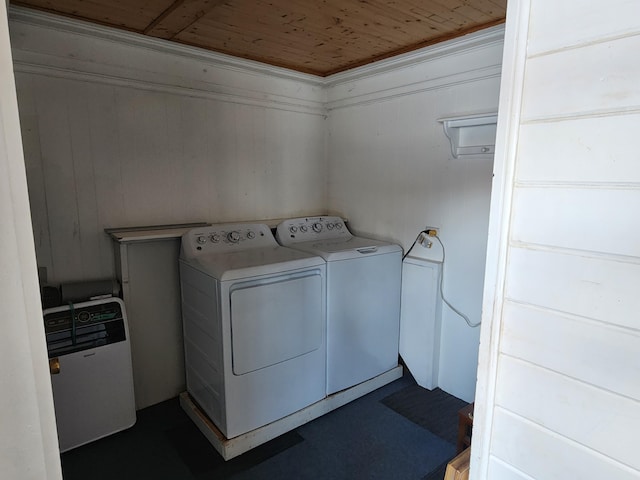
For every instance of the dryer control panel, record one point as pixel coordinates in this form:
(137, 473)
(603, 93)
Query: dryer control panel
(307, 229)
(227, 237)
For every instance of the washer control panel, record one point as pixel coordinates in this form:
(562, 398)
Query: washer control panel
(307, 229)
(227, 237)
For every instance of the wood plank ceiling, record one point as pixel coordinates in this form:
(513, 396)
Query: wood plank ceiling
(321, 37)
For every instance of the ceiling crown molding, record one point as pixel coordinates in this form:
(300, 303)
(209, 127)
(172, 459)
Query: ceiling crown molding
(79, 27)
(467, 43)
(461, 45)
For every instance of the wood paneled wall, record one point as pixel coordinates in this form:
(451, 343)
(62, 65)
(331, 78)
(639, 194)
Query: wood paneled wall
(391, 173)
(560, 368)
(106, 152)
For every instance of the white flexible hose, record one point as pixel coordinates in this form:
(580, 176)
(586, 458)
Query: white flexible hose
(466, 319)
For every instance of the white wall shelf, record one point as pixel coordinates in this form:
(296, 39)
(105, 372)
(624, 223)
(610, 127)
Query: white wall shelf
(471, 134)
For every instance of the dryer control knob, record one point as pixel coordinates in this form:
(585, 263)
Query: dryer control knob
(294, 229)
(251, 235)
(330, 226)
(303, 228)
(317, 227)
(233, 237)
(215, 238)
(339, 226)
(201, 239)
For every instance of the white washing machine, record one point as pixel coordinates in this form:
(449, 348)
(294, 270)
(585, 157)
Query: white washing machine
(254, 323)
(363, 297)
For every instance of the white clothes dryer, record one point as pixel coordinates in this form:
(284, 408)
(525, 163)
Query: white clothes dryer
(254, 323)
(363, 297)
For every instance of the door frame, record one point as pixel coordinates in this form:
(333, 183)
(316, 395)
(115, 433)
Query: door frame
(500, 214)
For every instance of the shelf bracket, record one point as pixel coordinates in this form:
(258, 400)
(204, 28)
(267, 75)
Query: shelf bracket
(471, 135)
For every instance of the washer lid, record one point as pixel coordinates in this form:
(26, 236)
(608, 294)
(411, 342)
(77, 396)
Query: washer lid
(253, 262)
(342, 249)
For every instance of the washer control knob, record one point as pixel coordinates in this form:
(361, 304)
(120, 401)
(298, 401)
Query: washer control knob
(84, 316)
(215, 238)
(339, 226)
(251, 235)
(330, 226)
(201, 239)
(294, 229)
(303, 228)
(233, 237)
(317, 227)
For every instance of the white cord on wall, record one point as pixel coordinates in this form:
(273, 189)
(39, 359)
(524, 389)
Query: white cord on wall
(466, 318)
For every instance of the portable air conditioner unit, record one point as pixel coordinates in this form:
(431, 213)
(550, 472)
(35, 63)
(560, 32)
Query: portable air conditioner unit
(91, 371)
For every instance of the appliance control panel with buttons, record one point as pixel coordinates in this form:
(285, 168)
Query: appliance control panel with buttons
(224, 238)
(83, 326)
(308, 229)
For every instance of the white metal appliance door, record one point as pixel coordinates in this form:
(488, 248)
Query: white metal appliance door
(363, 318)
(275, 320)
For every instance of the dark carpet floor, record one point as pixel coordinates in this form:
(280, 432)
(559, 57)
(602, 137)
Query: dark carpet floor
(400, 431)
(435, 410)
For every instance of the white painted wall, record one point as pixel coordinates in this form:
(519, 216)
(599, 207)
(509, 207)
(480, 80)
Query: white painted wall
(123, 131)
(558, 390)
(28, 440)
(391, 171)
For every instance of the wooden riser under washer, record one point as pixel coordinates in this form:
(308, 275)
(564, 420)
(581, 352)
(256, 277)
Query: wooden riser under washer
(230, 448)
